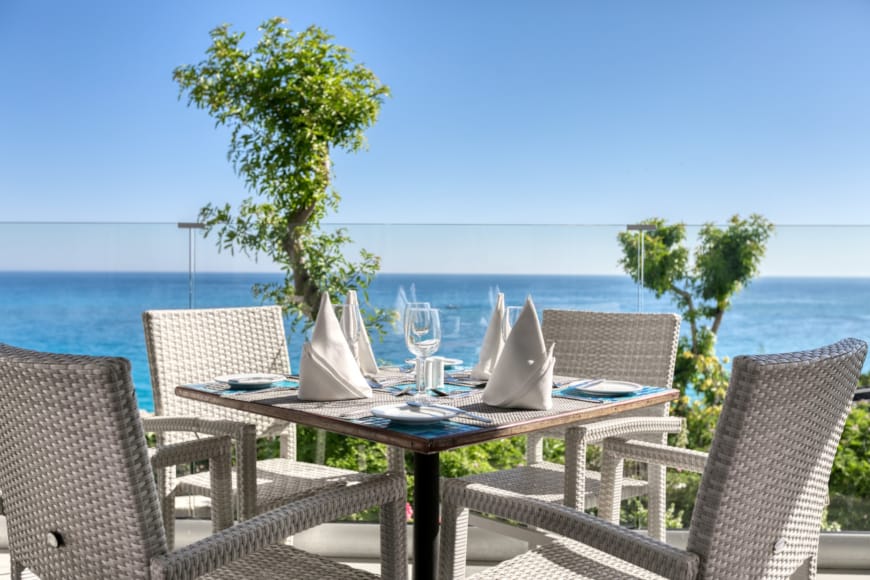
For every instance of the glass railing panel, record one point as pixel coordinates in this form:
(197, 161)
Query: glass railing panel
(81, 288)
(459, 269)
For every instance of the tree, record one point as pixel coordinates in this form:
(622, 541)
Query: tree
(289, 101)
(725, 261)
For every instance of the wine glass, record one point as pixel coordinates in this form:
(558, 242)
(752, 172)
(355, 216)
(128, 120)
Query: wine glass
(408, 306)
(422, 337)
(511, 315)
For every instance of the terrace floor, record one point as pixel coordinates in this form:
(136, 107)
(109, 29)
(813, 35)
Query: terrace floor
(344, 543)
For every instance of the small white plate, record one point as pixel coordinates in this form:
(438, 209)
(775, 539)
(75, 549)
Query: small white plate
(448, 362)
(250, 380)
(610, 388)
(413, 415)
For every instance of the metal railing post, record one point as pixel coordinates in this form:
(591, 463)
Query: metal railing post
(191, 257)
(641, 230)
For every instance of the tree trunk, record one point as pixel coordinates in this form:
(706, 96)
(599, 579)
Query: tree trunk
(691, 314)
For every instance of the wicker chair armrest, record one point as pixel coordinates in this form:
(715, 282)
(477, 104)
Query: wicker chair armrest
(244, 436)
(657, 454)
(190, 451)
(217, 451)
(273, 527)
(601, 430)
(234, 429)
(649, 553)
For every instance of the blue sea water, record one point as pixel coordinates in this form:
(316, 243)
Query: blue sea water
(100, 312)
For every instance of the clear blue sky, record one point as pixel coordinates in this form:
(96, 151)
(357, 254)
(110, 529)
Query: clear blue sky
(502, 112)
(604, 111)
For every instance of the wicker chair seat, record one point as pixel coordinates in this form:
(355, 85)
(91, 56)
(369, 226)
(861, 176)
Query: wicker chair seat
(567, 559)
(278, 481)
(546, 481)
(282, 561)
(759, 505)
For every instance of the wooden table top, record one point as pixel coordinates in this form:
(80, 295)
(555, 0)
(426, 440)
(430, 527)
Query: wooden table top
(354, 418)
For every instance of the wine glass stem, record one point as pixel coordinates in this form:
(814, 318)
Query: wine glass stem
(420, 378)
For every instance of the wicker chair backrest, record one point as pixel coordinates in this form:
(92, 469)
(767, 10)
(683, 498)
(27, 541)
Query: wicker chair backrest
(636, 347)
(197, 345)
(78, 489)
(758, 510)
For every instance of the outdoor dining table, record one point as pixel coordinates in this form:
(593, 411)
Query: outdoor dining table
(354, 418)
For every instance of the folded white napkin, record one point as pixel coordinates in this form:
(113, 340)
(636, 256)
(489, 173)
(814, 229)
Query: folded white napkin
(493, 343)
(523, 375)
(364, 349)
(327, 369)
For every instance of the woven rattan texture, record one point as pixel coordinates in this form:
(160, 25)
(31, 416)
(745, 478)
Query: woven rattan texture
(76, 471)
(567, 559)
(637, 549)
(197, 345)
(639, 348)
(75, 464)
(279, 480)
(765, 482)
(266, 564)
(758, 510)
(357, 408)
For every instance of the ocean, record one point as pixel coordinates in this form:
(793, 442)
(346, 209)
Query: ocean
(100, 312)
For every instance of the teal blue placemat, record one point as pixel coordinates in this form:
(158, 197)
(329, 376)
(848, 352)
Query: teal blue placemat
(224, 389)
(428, 431)
(575, 393)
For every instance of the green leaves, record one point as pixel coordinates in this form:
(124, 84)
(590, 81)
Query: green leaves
(288, 100)
(725, 261)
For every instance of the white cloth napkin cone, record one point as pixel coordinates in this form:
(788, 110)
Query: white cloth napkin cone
(523, 375)
(327, 369)
(493, 343)
(366, 356)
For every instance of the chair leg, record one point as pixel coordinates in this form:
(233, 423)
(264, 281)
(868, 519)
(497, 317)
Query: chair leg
(610, 492)
(16, 570)
(454, 541)
(246, 472)
(656, 485)
(395, 460)
(167, 504)
(220, 474)
(534, 448)
(394, 543)
(656, 492)
(575, 469)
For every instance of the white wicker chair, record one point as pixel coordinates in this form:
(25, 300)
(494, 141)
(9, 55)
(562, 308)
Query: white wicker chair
(196, 345)
(758, 510)
(81, 501)
(622, 346)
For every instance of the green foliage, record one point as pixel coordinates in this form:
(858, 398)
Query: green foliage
(725, 261)
(288, 102)
(850, 476)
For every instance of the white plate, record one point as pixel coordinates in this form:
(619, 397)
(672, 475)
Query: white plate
(406, 414)
(610, 388)
(250, 380)
(448, 362)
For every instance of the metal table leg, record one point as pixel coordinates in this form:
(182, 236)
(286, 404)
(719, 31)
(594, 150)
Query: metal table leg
(426, 512)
